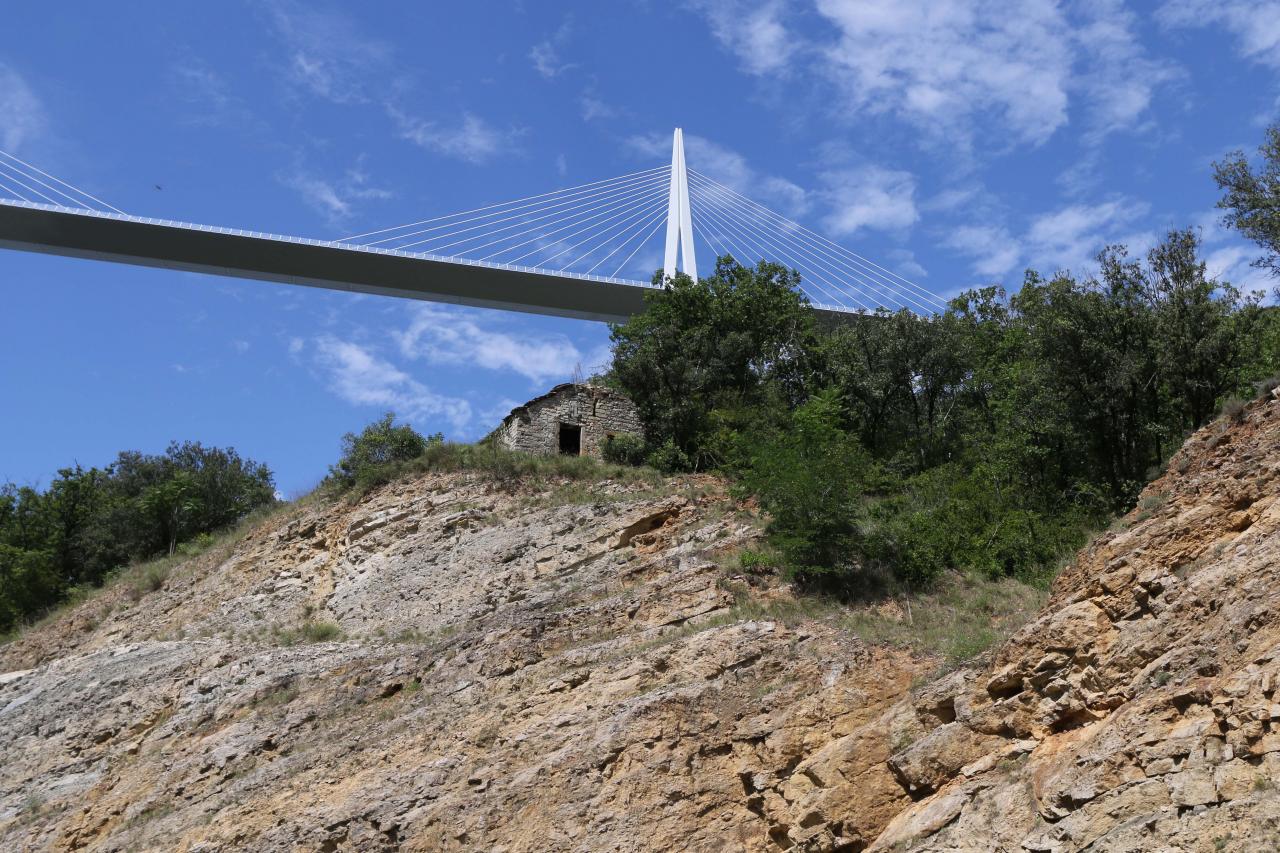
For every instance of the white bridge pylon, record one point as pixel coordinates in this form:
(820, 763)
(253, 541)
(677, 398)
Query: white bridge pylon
(679, 218)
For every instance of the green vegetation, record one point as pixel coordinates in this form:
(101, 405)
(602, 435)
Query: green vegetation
(991, 439)
(376, 450)
(57, 544)
(508, 469)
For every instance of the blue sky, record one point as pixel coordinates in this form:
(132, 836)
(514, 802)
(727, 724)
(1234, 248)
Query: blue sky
(955, 141)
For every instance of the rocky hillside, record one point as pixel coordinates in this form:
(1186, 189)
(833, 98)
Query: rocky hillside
(543, 670)
(1140, 711)
(448, 665)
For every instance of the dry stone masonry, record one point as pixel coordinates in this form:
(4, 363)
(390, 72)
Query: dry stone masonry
(576, 419)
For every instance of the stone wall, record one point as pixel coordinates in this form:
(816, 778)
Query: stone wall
(601, 412)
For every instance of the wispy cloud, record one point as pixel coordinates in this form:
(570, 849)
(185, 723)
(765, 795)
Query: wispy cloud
(869, 197)
(994, 250)
(455, 336)
(1064, 239)
(334, 200)
(473, 139)
(959, 70)
(545, 55)
(752, 30)
(594, 108)
(362, 378)
(327, 54)
(1255, 25)
(22, 116)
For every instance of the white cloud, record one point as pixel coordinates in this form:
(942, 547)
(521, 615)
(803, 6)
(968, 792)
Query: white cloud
(1071, 237)
(441, 335)
(1255, 25)
(22, 116)
(359, 377)
(944, 66)
(751, 30)
(326, 54)
(320, 195)
(594, 108)
(994, 250)
(473, 140)
(869, 197)
(334, 200)
(240, 345)
(1066, 239)
(1118, 80)
(545, 55)
(959, 69)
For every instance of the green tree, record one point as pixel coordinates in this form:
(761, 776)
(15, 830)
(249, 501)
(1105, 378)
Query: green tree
(727, 342)
(1252, 197)
(810, 477)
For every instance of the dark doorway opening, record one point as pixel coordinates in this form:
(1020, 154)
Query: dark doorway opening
(571, 439)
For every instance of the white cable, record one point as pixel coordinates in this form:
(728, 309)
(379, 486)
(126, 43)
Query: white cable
(76, 203)
(720, 219)
(500, 204)
(796, 249)
(718, 249)
(876, 282)
(16, 194)
(864, 267)
(765, 229)
(626, 241)
(810, 276)
(543, 234)
(642, 215)
(17, 179)
(871, 266)
(64, 183)
(721, 216)
(661, 221)
(523, 218)
(653, 199)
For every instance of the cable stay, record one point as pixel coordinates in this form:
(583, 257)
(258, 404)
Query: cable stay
(611, 228)
(21, 181)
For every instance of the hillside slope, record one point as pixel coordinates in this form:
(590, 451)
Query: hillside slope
(544, 670)
(554, 669)
(1139, 712)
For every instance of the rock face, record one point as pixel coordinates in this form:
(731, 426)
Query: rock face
(576, 672)
(534, 671)
(1140, 711)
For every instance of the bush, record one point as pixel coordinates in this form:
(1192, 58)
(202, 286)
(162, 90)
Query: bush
(367, 458)
(1233, 409)
(624, 450)
(810, 477)
(667, 457)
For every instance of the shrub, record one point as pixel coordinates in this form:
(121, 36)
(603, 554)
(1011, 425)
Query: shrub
(624, 450)
(320, 632)
(1233, 409)
(668, 457)
(367, 458)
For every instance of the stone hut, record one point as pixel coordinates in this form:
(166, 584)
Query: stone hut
(571, 418)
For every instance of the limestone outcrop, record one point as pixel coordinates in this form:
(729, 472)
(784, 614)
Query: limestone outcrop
(528, 671)
(1140, 711)
(581, 669)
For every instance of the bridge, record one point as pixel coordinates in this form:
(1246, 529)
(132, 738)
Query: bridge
(564, 253)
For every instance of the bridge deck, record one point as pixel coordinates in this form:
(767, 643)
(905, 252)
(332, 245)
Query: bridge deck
(316, 263)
